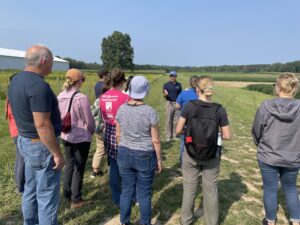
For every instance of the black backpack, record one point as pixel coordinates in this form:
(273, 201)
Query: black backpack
(202, 131)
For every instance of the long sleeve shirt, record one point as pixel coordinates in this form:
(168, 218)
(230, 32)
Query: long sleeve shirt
(82, 121)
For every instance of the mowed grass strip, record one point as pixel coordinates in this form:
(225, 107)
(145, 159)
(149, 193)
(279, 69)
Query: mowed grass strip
(240, 188)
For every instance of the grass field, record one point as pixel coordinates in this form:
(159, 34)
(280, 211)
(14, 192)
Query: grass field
(240, 190)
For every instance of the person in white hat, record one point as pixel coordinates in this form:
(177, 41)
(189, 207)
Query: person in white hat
(139, 151)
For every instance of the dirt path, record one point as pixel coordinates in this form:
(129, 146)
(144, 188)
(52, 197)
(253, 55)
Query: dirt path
(236, 83)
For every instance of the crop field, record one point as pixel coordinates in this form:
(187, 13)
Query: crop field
(240, 185)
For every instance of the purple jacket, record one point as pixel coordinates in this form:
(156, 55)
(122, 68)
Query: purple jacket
(83, 124)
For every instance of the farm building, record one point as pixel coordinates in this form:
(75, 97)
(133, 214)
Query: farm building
(14, 59)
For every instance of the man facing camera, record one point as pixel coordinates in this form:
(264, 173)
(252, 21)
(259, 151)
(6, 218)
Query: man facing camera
(171, 90)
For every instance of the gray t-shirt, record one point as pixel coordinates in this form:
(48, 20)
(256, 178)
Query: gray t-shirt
(135, 122)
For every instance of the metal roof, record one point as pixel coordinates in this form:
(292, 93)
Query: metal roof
(21, 54)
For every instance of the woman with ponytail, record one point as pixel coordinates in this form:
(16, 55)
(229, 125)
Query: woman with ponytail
(110, 102)
(202, 115)
(77, 141)
(277, 136)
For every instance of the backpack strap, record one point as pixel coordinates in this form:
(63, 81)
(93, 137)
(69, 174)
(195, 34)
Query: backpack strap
(71, 100)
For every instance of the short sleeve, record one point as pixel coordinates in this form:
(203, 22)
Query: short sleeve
(40, 97)
(119, 114)
(179, 99)
(223, 118)
(186, 110)
(153, 117)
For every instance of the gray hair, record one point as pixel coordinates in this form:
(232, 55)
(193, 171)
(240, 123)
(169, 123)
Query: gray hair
(36, 54)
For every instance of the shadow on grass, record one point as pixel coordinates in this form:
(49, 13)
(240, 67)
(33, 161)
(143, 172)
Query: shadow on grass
(170, 196)
(230, 191)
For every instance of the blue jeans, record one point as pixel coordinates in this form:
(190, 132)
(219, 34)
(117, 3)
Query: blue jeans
(288, 179)
(114, 181)
(137, 170)
(19, 168)
(41, 193)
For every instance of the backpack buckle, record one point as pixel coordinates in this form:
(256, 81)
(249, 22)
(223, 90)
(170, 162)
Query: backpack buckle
(188, 139)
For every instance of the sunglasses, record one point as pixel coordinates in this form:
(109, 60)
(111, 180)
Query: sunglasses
(173, 75)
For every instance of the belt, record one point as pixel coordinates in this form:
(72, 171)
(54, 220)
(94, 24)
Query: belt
(35, 140)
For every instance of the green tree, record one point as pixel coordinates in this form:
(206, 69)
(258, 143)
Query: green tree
(117, 51)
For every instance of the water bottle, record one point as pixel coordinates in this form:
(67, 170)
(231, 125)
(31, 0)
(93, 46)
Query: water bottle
(219, 146)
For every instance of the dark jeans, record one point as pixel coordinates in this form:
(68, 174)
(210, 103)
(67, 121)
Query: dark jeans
(114, 181)
(288, 179)
(76, 157)
(19, 168)
(137, 170)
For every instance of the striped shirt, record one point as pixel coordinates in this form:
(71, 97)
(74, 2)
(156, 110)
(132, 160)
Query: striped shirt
(135, 122)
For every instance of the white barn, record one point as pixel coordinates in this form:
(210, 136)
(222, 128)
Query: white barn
(15, 59)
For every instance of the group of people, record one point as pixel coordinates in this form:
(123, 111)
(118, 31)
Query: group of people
(126, 131)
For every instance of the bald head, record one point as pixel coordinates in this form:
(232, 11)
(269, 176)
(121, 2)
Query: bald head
(37, 55)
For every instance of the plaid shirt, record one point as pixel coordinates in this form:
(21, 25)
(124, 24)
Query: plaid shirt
(110, 141)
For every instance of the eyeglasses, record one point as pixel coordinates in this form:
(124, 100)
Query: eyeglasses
(173, 75)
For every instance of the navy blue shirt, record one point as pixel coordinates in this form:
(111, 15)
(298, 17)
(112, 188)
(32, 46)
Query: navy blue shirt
(98, 88)
(173, 90)
(27, 93)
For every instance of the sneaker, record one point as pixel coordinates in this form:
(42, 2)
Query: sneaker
(94, 174)
(265, 222)
(77, 205)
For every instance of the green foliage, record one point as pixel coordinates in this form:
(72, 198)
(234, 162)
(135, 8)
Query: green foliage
(255, 68)
(82, 65)
(117, 51)
(265, 88)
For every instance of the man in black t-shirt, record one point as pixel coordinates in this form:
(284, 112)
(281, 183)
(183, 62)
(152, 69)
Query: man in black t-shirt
(100, 151)
(35, 109)
(103, 78)
(171, 90)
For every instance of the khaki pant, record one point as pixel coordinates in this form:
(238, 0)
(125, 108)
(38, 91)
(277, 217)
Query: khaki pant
(172, 116)
(210, 175)
(100, 152)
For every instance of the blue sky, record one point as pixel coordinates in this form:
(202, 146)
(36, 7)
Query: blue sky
(163, 32)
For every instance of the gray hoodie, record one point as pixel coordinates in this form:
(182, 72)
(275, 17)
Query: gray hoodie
(276, 132)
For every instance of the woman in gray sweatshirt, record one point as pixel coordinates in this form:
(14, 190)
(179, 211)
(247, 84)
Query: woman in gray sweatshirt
(277, 136)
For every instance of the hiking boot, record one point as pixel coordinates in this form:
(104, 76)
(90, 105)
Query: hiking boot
(77, 205)
(94, 174)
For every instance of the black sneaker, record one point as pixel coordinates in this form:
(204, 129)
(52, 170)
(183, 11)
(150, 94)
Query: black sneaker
(94, 174)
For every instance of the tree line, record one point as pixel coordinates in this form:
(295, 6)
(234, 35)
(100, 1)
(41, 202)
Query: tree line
(276, 67)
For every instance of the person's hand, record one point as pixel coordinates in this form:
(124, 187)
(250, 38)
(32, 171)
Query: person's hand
(166, 93)
(158, 167)
(59, 162)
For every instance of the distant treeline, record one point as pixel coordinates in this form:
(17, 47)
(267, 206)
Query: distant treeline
(265, 88)
(276, 67)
